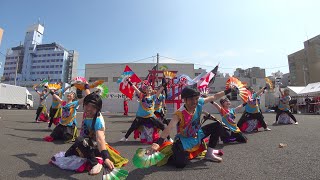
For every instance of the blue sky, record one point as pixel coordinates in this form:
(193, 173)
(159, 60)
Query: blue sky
(233, 33)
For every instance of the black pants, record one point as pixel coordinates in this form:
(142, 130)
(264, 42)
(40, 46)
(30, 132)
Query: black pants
(80, 150)
(248, 116)
(287, 112)
(38, 112)
(180, 157)
(52, 113)
(61, 132)
(227, 134)
(138, 121)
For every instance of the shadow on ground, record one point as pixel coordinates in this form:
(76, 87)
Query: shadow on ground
(37, 170)
(141, 173)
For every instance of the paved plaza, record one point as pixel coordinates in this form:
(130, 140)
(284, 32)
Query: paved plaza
(24, 155)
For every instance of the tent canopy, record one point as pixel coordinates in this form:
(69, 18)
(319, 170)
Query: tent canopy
(312, 88)
(296, 89)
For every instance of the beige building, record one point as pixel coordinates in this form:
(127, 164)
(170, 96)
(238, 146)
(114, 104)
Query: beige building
(254, 72)
(304, 65)
(110, 72)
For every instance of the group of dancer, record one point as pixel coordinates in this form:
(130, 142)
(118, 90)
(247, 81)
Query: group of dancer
(91, 143)
(192, 138)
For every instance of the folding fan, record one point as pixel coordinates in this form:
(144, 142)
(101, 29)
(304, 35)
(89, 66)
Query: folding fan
(241, 89)
(44, 83)
(54, 86)
(169, 74)
(269, 82)
(96, 83)
(115, 174)
(79, 80)
(143, 160)
(103, 90)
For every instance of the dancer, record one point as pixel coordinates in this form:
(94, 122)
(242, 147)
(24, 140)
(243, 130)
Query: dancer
(42, 108)
(66, 129)
(125, 106)
(284, 106)
(91, 143)
(228, 118)
(252, 110)
(190, 134)
(56, 106)
(160, 108)
(145, 113)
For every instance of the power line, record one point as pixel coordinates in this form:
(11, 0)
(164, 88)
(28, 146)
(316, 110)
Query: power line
(203, 65)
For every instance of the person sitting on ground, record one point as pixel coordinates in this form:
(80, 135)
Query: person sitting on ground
(252, 110)
(228, 118)
(91, 143)
(284, 106)
(190, 134)
(145, 113)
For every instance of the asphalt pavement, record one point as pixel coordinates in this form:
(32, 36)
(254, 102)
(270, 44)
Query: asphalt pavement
(24, 155)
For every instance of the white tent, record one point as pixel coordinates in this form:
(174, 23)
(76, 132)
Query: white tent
(312, 88)
(295, 89)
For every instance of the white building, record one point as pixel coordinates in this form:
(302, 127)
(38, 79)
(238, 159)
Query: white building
(34, 61)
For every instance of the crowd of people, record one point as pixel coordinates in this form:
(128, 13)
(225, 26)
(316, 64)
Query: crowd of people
(192, 139)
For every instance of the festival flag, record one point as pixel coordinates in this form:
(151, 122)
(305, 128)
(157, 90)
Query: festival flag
(124, 87)
(204, 83)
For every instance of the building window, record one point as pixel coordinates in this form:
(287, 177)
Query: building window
(51, 66)
(254, 81)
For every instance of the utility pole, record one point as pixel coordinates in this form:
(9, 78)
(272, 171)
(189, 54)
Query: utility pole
(157, 61)
(157, 69)
(304, 75)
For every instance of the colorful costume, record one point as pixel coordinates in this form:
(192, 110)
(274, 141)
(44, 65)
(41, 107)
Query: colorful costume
(159, 110)
(55, 109)
(145, 117)
(284, 108)
(228, 117)
(252, 113)
(190, 135)
(125, 107)
(67, 128)
(42, 114)
(86, 145)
